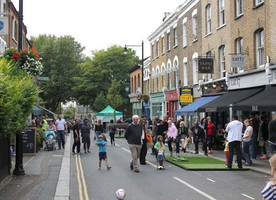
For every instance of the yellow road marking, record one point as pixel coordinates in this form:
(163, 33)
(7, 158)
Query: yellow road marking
(83, 180)
(78, 177)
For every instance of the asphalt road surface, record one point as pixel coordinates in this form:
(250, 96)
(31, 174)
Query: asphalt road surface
(174, 183)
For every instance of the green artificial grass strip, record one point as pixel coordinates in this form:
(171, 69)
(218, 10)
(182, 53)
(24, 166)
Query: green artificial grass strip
(198, 162)
(117, 136)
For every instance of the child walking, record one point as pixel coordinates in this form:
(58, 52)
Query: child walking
(226, 151)
(160, 148)
(102, 152)
(269, 192)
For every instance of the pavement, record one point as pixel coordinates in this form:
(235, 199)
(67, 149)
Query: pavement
(47, 175)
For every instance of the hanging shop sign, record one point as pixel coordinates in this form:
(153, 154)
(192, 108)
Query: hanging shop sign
(186, 95)
(238, 61)
(206, 65)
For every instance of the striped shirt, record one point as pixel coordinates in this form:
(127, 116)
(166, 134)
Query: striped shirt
(269, 192)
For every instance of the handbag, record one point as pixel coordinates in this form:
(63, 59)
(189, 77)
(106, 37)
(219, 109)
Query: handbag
(77, 140)
(261, 143)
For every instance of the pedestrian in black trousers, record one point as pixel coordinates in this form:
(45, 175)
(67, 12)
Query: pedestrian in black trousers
(112, 130)
(144, 148)
(85, 133)
(76, 133)
(234, 130)
(199, 136)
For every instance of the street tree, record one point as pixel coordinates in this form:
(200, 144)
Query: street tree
(61, 59)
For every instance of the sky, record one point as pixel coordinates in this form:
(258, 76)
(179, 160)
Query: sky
(97, 24)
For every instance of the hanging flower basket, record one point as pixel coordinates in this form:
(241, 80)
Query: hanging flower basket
(26, 59)
(146, 98)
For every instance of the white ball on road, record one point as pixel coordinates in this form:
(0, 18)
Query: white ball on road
(120, 194)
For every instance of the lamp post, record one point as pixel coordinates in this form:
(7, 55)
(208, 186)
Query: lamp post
(19, 170)
(142, 86)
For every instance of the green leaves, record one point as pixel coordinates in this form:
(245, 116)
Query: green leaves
(18, 94)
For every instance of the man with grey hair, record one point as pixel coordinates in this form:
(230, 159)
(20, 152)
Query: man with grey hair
(134, 135)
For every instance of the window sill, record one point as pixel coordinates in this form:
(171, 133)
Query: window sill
(208, 34)
(223, 25)
(163, 54)
(257, 6)
(168, 50)
(195, 40)
(175, 46)
(14, 40)
(157, 57)
(184, 46)
(239, 16)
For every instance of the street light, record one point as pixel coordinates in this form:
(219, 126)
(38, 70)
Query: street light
(125, 51)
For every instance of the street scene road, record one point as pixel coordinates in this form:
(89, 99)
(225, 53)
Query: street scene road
(172, 183)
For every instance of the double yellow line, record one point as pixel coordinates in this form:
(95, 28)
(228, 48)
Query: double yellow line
(81, 179)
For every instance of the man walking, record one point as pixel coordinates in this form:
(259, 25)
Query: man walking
(76, 133)
(134, 136)
(234, 138)
(61, 127)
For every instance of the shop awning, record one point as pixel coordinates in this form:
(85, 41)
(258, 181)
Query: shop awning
(262, 101)
(191, 108)
(231, 97)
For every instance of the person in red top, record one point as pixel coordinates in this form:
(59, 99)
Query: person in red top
(210, 131)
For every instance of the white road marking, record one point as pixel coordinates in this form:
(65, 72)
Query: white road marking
(125, 149)
(197, 173)
(210, 180)
(117, 145)
(195, 189)
(247, 196)
(28, 161)
(151, 164)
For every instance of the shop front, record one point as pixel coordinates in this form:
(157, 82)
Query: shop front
(171, 103)
(136, 105)
(157, 104)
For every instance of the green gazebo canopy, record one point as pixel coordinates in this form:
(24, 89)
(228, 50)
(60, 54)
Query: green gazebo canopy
(108, 111)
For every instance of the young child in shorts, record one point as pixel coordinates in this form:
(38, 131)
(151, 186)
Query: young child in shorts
(102, 152)
(160, 148)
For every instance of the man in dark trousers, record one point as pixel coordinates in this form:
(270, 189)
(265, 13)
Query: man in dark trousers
(234, 130)
(199, 136)
(76, 132)
(134, 136)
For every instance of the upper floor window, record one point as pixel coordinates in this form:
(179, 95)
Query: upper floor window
(185, 32)
(138, 80)
(195, 68)
(222, 61)
(194, 24)
(257, 2)
(153, 51)
(221, 12)
(208, 18)
(185, 71)
(132, 88)
(239, 7)
(157, 48)
(260, 47)
(209, 55)
(162, 45)
(135, 84)
(168, 41)
(14, 29)
(175, 36)
(239, 46)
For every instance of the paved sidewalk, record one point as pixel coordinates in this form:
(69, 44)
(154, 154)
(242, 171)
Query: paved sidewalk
(42, 177)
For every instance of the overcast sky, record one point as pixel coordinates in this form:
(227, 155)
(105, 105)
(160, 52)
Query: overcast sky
(97, 24)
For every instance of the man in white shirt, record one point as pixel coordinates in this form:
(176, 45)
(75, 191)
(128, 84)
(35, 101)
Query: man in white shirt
(61, 127)
(234, 138)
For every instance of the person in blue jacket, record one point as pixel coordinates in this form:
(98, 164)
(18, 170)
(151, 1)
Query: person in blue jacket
(102, 152)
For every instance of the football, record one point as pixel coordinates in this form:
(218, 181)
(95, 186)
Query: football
(120, 194)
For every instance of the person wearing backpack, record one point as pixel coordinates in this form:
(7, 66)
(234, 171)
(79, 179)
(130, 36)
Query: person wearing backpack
(112, 130)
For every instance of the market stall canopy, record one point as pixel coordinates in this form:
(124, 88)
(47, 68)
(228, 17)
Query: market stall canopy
(262, 101)
(107, 114)
(191, 108)
(222, 103)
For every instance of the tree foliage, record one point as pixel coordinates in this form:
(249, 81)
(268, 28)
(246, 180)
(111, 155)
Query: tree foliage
(18, 94)
(104, 77)
(61, 59)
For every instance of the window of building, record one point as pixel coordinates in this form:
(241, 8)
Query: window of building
(157, 79)
(153, 51)
(209, 55)
(175, 73)
(152, 76)
(239, 7)
(163, 75)
(175, 36)
(257, 2)
(185, 32)
(195, 68)
(208, 19)
(194, 21)
(138, 80)
(135, 86)
(14, 29)
(222, 61)
(169, 83)
(168, 41)
(157, 48)
(163, 45)
(239, 46)
(132, 90)
(185, 71)
(221, 12)
(260, 47)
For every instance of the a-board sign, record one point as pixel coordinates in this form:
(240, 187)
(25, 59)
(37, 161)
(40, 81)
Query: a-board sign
(29, 141)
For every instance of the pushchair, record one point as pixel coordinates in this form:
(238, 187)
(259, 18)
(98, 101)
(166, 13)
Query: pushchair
(50, 141)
